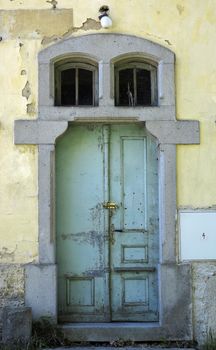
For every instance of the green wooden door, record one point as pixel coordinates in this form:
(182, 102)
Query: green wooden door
(134, 225)
(107, 257)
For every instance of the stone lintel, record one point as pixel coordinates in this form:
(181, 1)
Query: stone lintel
(35, 132)
(50, 112)
(175, 132)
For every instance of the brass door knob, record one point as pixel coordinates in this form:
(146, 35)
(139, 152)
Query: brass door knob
(110, 205)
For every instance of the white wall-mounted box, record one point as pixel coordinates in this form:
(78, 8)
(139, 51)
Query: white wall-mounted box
(197, 235)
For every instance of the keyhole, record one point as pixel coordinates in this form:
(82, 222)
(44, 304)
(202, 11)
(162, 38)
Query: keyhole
(203, 235)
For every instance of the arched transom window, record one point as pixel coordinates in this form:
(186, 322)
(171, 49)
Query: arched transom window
(135, 84)
(76, 83)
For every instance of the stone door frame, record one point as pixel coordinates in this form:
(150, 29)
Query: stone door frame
(174, 278)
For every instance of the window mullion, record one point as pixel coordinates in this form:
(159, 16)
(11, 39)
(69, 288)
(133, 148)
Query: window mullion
(135, 87)
(77, 87)
(93, 89)
(153, 87)
(58, 88)
(117, 88)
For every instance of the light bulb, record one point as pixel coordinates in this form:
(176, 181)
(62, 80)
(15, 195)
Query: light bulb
(106, 22)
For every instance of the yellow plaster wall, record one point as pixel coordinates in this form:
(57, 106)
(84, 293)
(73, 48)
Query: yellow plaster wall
(188, 28)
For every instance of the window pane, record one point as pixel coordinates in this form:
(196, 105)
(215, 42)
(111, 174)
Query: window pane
(143, 80)
(85, 78)
(126, 87)
(68, 87)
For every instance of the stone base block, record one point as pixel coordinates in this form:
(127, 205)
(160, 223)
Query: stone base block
(17, 324)
(41, 291)
(176, 301)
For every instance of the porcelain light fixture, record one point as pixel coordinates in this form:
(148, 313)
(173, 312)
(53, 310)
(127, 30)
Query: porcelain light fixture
(104, 18)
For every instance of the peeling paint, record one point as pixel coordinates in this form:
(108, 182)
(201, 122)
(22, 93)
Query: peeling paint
(159, 37)
(91, 237)
(11, 285)
(6, 254)
(204, 284)
(35, 24)
(89, 24)
(23, 72)
(26, 92)
(180, 8)
(49, 40)
(31, 108)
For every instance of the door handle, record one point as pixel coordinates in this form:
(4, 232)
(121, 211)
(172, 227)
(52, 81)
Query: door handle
(110, 205)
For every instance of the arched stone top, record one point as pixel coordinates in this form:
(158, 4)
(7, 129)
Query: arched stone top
(106, 50)
(75, 57)
(106, 47)
(134, 56)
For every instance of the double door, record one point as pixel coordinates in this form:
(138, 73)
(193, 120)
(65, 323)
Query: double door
(107, 224)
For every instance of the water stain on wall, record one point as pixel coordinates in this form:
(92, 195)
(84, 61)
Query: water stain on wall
(180, 8)
(26, 24)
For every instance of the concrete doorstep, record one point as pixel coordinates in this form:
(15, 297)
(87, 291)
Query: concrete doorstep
(140, 347)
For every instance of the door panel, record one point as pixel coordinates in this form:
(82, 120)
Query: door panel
(107, 258)
(81, 257)
(133, 163)
(134, 225)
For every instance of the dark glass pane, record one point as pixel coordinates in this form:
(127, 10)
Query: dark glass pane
(126, 87)
(143, 80)
(68, 87)
(85, 78)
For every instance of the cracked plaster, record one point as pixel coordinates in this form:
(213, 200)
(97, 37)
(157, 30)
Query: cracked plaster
(11, 286)
(204, 299)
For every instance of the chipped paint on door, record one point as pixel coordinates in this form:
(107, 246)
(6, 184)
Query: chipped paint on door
(107, 224)
(81, 231)
(134, 249)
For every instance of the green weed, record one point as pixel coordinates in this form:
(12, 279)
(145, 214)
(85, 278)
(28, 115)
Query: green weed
(210, 343)
(44, 335)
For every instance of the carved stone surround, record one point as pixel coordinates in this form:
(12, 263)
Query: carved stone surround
(174, 279)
